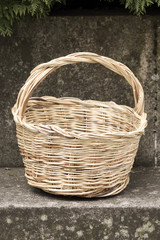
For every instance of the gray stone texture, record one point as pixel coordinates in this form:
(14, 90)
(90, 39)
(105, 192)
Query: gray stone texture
(157, 110)
(127, 39)
(28, 213)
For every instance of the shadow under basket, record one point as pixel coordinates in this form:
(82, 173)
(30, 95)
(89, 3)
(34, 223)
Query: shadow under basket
(74, 147)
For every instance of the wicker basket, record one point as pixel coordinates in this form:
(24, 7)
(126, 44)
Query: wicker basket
(74, 147)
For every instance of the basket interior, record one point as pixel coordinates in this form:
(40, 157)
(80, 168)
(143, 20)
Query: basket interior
(78, 116)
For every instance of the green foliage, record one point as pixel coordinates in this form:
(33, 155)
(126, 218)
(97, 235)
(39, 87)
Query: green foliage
(13, 10)
(138, 7)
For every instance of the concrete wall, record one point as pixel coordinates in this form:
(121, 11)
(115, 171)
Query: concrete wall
(129, 39)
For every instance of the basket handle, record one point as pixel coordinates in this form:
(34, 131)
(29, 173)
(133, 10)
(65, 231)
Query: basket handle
(39, 73)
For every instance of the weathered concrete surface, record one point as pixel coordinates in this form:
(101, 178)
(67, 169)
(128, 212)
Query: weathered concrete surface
(157, 110)
(28, 213)
(128, 39)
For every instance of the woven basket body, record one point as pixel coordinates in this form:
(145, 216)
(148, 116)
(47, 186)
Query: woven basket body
(74, 147)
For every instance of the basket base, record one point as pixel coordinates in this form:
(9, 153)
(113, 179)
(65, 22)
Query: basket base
(104, 193)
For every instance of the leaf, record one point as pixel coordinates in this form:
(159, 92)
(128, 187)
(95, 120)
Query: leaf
(16, 9)
(22, 10)
(128, 3)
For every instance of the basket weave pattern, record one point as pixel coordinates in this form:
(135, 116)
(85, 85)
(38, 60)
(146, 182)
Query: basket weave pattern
(74, 147)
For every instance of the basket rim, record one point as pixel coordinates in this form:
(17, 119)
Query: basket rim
(48, 129)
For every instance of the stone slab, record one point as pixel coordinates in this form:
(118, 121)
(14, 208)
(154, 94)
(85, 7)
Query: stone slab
(157, 142)
(128, 39)
(28, 213)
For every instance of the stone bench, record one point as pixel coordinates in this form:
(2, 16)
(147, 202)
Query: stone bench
(28, 213)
